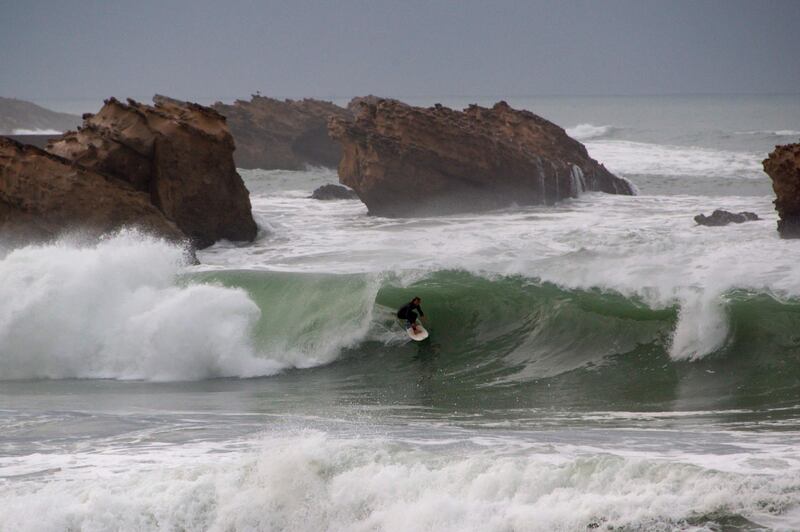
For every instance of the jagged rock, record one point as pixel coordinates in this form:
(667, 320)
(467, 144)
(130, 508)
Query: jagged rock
(354, 106)
(42, 196)
(720, 217)
(288, 134)
(180, 154)
(333, 192)
(406, 161)
(783, 167)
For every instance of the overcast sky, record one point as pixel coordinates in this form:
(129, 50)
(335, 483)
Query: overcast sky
(201, 49)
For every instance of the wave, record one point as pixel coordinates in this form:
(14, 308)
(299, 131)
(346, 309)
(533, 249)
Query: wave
(36, 132)
(126, 308)
(511, 333)
(641, 158)
(114, 310)
(589, 131)
(772, 133)
(312, 480)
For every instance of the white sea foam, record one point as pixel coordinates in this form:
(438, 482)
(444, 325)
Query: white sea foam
(588, 131)
(117, 310)
(312, 481)
(36, 132)
(640, 158)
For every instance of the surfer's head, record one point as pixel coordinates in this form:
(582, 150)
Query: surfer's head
(416, 301)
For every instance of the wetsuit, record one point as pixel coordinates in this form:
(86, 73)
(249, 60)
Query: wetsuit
(407, 313)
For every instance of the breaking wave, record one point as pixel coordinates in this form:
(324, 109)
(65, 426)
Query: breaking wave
(36, 132)
(114, 310)
(314, 481)
(589, 131)
(126, 308)
(641, 158)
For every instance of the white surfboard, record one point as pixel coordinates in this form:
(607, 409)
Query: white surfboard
(420, 335)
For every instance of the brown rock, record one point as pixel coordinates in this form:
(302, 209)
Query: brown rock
(42, 196)
(404, 161)
(180, 154)
(354, 106)
(289, 134)
(721, 217)
(783, 167)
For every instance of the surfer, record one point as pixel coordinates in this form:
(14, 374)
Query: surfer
(408, 312)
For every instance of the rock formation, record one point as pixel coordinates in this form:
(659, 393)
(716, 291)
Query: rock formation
(179, 154)
(42, 195)
(354, 106)
(405, 161)
(333, 192)
(720, 217)
(288, 134)
(783, 167)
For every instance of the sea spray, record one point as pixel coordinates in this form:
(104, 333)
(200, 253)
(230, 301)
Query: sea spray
(589, 131)
(311, 480)
(114, 310)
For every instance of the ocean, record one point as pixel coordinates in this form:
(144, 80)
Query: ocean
(601, 364)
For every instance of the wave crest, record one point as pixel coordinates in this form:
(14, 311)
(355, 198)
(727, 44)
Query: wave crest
(588, 131)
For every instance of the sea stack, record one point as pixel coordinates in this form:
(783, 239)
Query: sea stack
(282, 134)
(408, 161)
(43, 195)
(179, 154)
(783, 167)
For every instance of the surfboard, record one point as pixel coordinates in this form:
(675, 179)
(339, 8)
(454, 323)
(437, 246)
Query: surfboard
(420, 335)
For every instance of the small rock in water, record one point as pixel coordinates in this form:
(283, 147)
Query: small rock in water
(333, 192)
(720, 217)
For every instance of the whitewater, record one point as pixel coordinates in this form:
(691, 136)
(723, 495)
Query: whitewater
(604, 363)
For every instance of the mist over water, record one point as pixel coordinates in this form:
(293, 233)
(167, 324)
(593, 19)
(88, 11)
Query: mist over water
(604, 362)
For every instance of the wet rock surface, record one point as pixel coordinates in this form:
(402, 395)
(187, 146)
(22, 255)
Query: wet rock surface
(783, 167)
(408, 161)
(333, 192)
(720, 217)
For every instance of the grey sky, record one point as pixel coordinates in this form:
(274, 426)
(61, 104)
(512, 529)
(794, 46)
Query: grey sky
(204, 49)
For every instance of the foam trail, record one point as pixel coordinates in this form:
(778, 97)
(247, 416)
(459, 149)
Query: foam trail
(588, 131)
(641, 158)
(114, 310)
(312, 481)
(36, 132)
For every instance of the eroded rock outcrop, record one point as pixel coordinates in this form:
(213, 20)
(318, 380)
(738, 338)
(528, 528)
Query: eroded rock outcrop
(405, 161)
(720, 217)
(179, 154)
(42, 196)
(282, 134)
(783, 167)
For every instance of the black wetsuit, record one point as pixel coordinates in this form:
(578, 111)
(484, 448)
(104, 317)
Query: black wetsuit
(407, 313)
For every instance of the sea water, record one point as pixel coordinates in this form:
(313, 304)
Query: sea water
(603, 363)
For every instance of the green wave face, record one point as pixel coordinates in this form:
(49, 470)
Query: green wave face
(512, 342)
